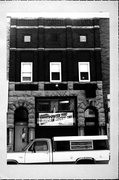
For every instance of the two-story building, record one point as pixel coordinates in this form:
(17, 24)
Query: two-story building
(58, 78)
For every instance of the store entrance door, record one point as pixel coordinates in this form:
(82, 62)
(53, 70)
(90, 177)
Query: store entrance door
(21, 129)
(91, 121)
(21, 136)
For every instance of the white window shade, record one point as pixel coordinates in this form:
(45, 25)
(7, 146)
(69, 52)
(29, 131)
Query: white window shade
(84, 68)
(55, 67)
(26, 67)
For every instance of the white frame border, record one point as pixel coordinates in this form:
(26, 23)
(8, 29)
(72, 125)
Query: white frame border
(107, 9)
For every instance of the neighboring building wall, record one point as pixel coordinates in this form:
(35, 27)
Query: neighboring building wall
(59, 46)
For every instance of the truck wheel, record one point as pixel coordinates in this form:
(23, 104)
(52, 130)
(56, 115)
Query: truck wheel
(12, 162)
(85, 161)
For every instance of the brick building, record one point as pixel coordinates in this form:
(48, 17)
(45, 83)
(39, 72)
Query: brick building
(58, 71)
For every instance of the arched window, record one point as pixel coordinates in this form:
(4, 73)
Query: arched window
(21, 115)
(91, 121)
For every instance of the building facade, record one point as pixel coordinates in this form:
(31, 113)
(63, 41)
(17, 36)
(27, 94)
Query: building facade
(58, 70)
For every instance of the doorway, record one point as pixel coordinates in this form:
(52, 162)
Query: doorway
(91, 121)
(21, 128)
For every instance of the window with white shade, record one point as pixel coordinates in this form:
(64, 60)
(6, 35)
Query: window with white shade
(55, 71)
(83, 38)
(27, 38)
(26, 72)
(84, 71)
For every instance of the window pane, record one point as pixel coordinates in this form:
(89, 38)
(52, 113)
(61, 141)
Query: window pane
(64, 105)
(55, 76)
(100, 144)
(62, 146)
(84, 68)
(43, 106)
(81, 145)
(55, 67)
(26, 68)
(26, 78)
(82, 38)
(27, 38)
(41, 146)
(84, 76)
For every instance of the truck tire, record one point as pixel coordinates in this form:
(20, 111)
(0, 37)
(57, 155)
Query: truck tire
(85, 161)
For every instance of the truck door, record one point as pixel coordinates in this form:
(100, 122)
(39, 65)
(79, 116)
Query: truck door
(38, 152)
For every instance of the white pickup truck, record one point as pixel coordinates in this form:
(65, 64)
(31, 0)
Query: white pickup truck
(68, 149)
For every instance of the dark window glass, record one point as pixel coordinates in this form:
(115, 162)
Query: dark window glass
(39, 146)
(100, 144)
(84, 76)
(62, 146)
(43, 106)
(55, 76)
(64, 105)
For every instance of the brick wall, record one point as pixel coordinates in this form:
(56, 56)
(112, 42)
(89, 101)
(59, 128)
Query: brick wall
(105, 59)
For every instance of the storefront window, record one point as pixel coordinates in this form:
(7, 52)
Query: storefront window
(56, 111)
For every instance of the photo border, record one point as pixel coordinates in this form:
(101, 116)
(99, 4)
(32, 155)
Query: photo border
(60, 171)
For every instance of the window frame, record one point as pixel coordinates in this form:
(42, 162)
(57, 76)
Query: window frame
(79, 71)
(26, 63)
(60, 76)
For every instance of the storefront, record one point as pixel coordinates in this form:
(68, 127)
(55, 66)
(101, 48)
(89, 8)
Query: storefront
(56, 116)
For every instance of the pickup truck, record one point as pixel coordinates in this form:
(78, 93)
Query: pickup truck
(63, 150)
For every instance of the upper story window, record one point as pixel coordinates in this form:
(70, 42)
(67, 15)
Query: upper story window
(84, 71)
(83, 38)
(27, 38)
(55, 71)
(26, 72)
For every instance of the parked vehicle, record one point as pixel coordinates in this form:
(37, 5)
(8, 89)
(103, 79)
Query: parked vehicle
(68, 149)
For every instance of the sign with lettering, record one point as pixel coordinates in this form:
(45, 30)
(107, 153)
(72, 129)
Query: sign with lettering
(56, 119)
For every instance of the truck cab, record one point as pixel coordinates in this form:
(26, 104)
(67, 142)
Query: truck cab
(36, 152)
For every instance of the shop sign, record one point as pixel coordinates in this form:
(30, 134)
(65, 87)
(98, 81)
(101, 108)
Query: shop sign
(56, 119)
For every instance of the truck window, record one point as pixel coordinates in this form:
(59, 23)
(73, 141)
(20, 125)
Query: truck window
(81, 145)
(61, 146)
(100, 144)
(39, 146)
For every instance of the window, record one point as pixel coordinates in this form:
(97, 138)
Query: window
(61, 146)
(81, 145)
(43, 106)
(26, 72)
(82, 38)
(55, 72)
(64, 105)
(27, 38)
(39, 146)
(84, 71)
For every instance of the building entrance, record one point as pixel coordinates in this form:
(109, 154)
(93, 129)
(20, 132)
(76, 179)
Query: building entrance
(91, 121)
(21, 129)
